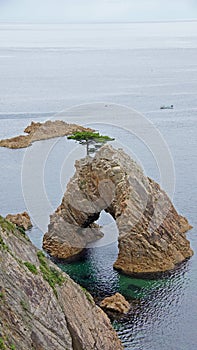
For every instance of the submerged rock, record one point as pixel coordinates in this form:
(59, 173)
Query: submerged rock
(21, 220)
(116, 303)
(43, 308)
(42, 131)
(151, 232)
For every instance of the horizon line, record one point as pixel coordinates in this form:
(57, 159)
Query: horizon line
(104, 22)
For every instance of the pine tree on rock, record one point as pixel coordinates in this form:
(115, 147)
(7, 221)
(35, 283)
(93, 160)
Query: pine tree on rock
(92, 140)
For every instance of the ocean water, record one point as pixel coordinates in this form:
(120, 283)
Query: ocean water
(89, 71)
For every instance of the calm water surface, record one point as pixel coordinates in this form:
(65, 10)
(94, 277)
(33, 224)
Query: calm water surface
(46, 69)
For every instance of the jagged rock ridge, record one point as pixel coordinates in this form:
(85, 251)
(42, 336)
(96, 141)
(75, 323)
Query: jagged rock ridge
(151, 232)
(41, 308)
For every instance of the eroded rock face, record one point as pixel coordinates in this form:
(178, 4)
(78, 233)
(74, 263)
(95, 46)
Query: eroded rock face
(42, 131)
(33, 315)
(151, 232)
(21, 220)
(116, 303)
(69, 240)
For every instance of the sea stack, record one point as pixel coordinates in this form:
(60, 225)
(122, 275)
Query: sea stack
(151, 233)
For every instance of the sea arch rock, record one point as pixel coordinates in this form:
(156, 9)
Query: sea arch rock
(151, 233)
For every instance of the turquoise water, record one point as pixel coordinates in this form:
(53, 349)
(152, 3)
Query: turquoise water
(160, 308)
(94, 271)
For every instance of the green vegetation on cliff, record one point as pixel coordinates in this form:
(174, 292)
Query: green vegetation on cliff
(31, 267)
(10, 227)
(3, 246)
(6, 225)
(88, 295)
(2, 345)
(50, 274)
(31, 314)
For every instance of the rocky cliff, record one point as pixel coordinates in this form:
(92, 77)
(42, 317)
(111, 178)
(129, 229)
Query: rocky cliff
(42, 131)
(41, 308)
(151, 232)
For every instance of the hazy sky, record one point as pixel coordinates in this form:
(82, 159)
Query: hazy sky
(96, 10)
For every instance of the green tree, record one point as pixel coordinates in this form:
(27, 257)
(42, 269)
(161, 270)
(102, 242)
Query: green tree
(92, 140)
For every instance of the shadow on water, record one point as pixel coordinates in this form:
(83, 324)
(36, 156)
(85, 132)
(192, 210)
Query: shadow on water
(94, 271)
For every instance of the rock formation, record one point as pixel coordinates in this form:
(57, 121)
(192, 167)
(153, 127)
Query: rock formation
(69, 240)
(41, 307)
(151, 232)
(116, 303)
(21, 220)
(42, 131)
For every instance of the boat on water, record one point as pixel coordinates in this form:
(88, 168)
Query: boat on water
(167, 107)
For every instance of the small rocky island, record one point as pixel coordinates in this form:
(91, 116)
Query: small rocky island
(42, 131)
(151, 233)
(43, 308)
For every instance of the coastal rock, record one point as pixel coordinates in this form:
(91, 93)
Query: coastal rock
(116, 303)
(42, 131)
(151, 232)
(68, 239)
(21, 220)
(43, 308)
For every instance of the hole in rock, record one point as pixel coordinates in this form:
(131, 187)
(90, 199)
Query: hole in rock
(94, 269)
(110, 230)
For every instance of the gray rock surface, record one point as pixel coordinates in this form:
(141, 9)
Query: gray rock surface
(41, 308)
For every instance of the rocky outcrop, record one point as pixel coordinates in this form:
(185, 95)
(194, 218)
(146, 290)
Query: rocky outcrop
(41, 307)
(69, 240)
(21, 220)
(116, 303)
(151, 232)
(42, 131)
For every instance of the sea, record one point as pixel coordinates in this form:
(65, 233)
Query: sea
(113, 78)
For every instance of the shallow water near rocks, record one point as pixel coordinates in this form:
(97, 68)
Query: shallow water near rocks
(159, 307)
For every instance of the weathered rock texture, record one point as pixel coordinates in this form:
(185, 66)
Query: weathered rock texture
(21, 220)
(68, 240)
(34, 315)
(116, 303)
(151, 233)
(42, 131)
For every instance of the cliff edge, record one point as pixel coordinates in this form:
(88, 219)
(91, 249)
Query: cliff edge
(41, 307)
